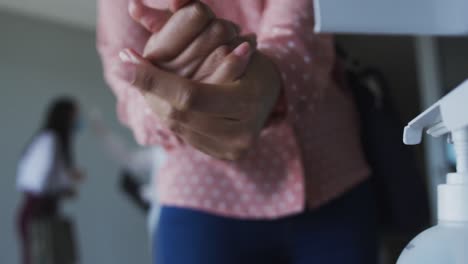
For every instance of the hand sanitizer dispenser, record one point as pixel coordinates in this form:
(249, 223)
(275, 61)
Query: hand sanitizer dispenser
(446, 243)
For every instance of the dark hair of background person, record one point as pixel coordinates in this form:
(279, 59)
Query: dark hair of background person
(60, 119)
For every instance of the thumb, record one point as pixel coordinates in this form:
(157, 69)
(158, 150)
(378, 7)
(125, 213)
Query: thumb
(150, 18)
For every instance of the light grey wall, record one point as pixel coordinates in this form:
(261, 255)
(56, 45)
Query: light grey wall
(39, 61)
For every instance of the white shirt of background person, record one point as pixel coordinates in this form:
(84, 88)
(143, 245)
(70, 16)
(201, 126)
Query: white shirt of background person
(41, 170)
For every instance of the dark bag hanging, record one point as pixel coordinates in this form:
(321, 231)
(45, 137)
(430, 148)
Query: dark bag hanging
(402, 198)
(131, 186)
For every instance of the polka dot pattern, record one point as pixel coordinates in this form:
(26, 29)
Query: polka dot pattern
(311, 157)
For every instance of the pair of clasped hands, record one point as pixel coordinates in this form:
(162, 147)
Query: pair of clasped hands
(206, 83)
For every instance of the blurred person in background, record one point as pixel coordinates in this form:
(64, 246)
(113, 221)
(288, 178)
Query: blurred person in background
(47, 175)
(264, 158)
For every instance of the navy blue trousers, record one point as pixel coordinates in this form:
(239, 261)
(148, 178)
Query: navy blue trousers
(341, 232)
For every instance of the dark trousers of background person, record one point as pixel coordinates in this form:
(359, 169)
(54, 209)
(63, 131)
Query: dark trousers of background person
(342, 232)
(33, 207)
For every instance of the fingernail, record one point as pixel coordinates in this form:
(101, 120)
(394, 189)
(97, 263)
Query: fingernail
(124, 56)
(127, 56)
(242, 50)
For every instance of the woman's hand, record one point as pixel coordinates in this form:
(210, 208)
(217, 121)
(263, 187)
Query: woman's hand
(215, 111)
(192, 42)
(221, 117)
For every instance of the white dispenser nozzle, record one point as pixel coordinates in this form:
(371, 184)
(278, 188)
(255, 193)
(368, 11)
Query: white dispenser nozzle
(449, 114)
(445, 243)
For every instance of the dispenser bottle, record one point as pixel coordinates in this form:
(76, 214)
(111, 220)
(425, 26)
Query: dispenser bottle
(446, 243)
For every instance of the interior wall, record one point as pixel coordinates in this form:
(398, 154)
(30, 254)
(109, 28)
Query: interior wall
(454, 54)
(39, 61)
(395, 58)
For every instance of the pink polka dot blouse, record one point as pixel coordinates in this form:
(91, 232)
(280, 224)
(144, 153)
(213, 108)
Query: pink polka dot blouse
(312, 156)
